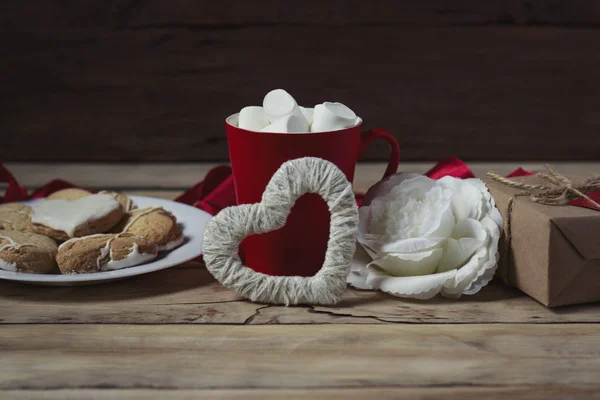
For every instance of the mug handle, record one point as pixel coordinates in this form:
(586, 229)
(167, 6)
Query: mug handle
(373, 134)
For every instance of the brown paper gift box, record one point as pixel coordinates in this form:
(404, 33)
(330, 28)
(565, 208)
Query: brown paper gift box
(554, 253)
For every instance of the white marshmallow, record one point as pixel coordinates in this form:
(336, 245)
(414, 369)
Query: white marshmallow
(278, 104)
(253, 118)
(308, 114)
(332, 117)
(288, 124)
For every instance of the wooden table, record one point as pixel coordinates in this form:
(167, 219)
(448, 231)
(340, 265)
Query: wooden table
(180, 334)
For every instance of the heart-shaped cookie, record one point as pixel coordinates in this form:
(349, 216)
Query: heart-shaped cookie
(294, 178)
(65, 219)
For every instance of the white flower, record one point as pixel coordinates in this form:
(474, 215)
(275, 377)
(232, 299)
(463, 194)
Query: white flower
(421, 237)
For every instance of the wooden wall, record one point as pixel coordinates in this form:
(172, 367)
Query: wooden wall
(154, 80)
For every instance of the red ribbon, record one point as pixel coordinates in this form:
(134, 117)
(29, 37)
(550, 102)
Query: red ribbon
(519, 172)
(214, 193)
(14, 191)
(450, 166)
(217, 190)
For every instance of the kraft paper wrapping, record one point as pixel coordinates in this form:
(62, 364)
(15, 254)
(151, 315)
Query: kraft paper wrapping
(554, 251)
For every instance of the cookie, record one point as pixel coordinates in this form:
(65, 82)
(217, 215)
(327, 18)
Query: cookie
(69, 194)
(154, 223)
(65, 219)
(27, 252)
(125, 201)
(104, 252)
(15, 217)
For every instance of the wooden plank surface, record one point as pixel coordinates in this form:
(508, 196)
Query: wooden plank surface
(160, 91)
(545, 392)
(179, 334)
(192, 296)
(331, 356)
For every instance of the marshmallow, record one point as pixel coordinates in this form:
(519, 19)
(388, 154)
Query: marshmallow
(332, 117)
(308, 114)
(279, 104)
(288, 124)
(253, 118)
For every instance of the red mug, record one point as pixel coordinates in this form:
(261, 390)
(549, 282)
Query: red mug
(299, 247)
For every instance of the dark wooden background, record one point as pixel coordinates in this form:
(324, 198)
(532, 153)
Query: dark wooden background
(153, 80)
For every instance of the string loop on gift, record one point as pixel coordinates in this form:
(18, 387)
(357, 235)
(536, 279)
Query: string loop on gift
(561, 192)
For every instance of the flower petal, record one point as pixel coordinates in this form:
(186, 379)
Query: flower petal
(369, 241)
(416, 182)
(484, 277)
(467, 199)
(477, 266)
(384, 187)
(411, 245)
(496, 217)
(364, 215)
(417, 287)
(493, 229)
(357, 276)
(479, 270)
(444, 225)
(469, 228)
(457, 252)
(487, 201)
(410, 264)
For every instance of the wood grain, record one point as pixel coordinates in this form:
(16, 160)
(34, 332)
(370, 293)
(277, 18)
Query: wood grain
(122, 14)
(179, 334)
(170, 179)
(216, 357)
(160, 91)
(451, 392)
(192, 296)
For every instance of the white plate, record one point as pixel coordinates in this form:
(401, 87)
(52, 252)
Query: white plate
(192, 220)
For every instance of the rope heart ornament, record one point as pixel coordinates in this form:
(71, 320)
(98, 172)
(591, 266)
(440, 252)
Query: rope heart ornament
(294, 178)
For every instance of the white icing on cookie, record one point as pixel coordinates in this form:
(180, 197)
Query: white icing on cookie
(14, 245)
(5, 265)
(140, 215)
(10, 245)
(171, 245)
(68, 215)
(132, 259)
(130, 204)
(78, 239)
(165, 247)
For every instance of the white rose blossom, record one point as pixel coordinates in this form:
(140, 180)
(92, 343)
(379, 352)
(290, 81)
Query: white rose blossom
(420, 237)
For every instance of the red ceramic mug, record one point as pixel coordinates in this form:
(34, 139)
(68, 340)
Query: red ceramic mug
(299, 247)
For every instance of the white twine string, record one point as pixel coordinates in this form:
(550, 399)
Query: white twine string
(226, 231)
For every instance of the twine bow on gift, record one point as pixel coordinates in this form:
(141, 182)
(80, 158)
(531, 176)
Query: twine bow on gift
(561, 193)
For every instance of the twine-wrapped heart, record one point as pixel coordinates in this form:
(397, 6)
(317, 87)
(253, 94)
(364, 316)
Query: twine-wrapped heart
(294, 178)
